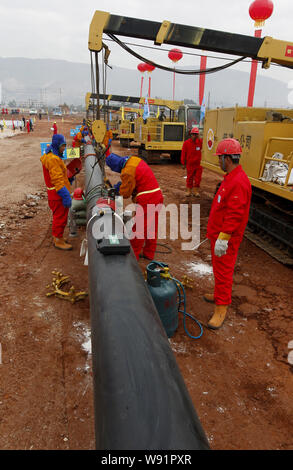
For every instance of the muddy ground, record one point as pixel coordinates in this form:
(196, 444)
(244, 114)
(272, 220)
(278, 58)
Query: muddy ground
(239, 378)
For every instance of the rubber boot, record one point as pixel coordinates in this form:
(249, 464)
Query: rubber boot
(218, 318)
(195, 192)
(209, 298)
(188, 192)
(61, 244)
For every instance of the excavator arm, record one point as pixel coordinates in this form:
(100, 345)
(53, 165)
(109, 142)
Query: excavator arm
(267, 49)
(173, 105)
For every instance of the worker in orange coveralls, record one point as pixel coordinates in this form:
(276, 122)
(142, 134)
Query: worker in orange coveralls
(138, 181)
(58, 187)
(107, 140)
(228, 219)
(79, 139)
(191, 158)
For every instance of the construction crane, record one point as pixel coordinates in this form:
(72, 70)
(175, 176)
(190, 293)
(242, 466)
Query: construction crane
(267, 50)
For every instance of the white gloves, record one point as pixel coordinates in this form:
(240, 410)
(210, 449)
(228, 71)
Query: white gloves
(221, 247)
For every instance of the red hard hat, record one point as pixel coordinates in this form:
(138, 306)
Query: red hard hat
(77, 195)
(195, 130)
(102, 203)
(228, 147)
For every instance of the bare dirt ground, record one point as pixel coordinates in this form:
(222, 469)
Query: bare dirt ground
(239, 378)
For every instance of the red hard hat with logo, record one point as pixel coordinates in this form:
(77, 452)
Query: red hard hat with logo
(78, 194)
(194, 130)
(228, 147)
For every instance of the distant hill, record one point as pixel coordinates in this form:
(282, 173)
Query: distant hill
(43, 78)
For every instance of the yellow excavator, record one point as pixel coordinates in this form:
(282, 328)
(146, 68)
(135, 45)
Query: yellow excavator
(161, 135)
(265, 134)
(127, 124)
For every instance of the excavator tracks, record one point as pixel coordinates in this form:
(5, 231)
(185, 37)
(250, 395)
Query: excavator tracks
(266, 243)
(270, 227)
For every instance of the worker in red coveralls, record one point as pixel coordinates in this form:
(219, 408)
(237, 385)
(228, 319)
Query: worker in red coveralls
(28, 126)
(139, 182)
(228, 219)
(54, 128)
(58, 187)
(191, 158)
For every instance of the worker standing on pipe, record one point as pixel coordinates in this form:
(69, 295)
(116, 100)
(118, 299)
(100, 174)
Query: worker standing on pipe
(228, 219)
(191, 158)
(139, 182)
(58, 187)
(54, 127)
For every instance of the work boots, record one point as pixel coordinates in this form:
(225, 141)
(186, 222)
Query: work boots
(218, 318)
(188, 192)
(61, 244)
(195, 192)
(209, 298)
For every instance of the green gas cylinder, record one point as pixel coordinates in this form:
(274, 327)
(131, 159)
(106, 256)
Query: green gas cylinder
(164, 293)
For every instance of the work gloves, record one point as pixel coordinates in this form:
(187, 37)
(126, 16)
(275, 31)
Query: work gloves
(117, 188)
(66, 198)
(221, 245)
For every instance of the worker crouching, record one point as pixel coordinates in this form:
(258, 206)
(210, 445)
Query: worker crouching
(227, 222)
(139, 182)
(58, 187)
(191, 158)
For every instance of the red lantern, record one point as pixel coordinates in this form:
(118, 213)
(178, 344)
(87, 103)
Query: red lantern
(175, 55)
(149, 68)
(261, 10)
(142, 67)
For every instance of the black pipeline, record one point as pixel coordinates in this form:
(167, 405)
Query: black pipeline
(141, 401)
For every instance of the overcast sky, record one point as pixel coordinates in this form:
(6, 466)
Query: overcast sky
(59, 29)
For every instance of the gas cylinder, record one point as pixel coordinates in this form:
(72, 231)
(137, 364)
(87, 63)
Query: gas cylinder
(164, 293)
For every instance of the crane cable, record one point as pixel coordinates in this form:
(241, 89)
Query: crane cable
(169, 69)
(227, 59)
